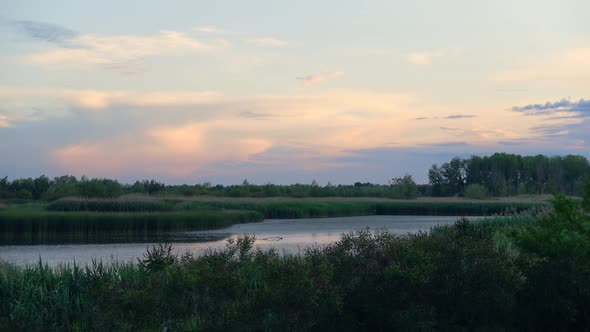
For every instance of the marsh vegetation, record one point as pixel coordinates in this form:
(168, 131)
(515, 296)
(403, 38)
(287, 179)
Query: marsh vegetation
(514, 273)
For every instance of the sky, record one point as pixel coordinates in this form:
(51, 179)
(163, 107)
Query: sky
(287, 91)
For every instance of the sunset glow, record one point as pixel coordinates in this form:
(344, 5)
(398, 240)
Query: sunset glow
(192, 92)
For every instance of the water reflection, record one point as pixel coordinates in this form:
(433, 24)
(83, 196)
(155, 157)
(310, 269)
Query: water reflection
(289, 236)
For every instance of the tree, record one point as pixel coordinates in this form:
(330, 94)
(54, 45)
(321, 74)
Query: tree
(437, 181)
(476, 191)
(407, 187)
(41, 185)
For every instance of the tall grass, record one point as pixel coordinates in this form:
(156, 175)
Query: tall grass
(306, 209)
(109, 205)
(298, 209)
(30, 226)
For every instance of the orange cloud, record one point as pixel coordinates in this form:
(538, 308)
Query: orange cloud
(176, 151)
(313, 126)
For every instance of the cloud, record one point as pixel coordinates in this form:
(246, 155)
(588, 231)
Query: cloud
(47, 32)
(176, 144)
(579, 108)
(515, 142)
(449, 129)
(551, 130)
(95, 49)
(460, 116)
(310, 80)
(177, 151)
(254, 115)
(272, 42)
(185, 135)
(564, 119)
(446, 144)
(448, 117)
(101, 99)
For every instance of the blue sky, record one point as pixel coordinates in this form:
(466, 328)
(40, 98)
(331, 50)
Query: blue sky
(283, 92)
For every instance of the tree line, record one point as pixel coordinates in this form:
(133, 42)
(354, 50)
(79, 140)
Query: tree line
(43, 188)
(504, 174)
(500, 174)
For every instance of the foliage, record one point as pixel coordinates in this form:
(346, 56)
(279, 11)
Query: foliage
(554, 258)
(158, 258)
(508, 174)
(406, 186)
(476, 191)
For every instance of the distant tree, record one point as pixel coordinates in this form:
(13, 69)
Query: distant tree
(437, 181)
(153, 186)
(454, 173)
(508, 174)
(40, 186)
(406, 186)
(476, 191)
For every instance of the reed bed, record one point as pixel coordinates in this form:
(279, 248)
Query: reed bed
(34, 226)
(300, 209)
(110, 205)
(306, 209)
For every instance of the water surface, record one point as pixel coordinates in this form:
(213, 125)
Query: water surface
(287, 235)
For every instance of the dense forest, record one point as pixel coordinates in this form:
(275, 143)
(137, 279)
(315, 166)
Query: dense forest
(475, 177)
(508, 174)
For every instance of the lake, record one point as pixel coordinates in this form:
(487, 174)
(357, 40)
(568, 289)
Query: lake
(287, 235)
